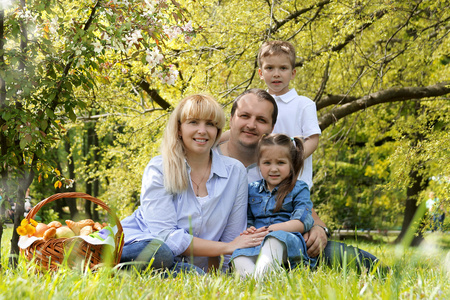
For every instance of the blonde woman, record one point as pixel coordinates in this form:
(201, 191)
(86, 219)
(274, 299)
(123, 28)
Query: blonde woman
(193, 200)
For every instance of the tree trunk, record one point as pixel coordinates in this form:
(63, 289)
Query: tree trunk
(412, 193)
(18, 216)
(89, 160)
(3, 139)
(1, 235)
(416, 186)
(96, 183)
(88, 204)
(71, 167)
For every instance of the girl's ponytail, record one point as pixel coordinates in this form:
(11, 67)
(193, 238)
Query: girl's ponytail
(297, 154)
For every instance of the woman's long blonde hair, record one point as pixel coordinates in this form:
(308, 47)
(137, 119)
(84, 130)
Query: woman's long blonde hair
(202, 107)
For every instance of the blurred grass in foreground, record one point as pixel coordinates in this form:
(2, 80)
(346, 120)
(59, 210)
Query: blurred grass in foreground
(417, 273)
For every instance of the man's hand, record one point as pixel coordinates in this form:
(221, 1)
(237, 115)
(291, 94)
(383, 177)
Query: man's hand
(316, 240)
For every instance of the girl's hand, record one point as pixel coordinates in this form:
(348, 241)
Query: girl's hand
(252, 230)
(249, 230)
(262, 229)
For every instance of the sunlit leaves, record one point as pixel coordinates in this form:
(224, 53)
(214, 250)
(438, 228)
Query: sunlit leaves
(57, 184)
(368, 46)
(53, 59)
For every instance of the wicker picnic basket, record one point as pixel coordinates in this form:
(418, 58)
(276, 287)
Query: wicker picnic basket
(52, 253)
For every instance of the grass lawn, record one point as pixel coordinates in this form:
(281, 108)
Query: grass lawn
(417, 273)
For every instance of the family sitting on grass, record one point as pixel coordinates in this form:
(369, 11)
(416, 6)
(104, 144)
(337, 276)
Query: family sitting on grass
(245, 202)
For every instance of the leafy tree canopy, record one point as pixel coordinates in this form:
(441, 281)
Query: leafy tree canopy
(54, 56)
(377, 70)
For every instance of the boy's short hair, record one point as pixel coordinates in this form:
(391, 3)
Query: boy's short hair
(277, 48)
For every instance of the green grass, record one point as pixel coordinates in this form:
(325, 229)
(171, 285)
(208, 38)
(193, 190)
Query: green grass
(417, 273)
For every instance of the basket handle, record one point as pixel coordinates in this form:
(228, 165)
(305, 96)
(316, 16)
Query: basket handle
(119, 235)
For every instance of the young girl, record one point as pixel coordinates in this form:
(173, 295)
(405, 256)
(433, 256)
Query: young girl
(280, 203)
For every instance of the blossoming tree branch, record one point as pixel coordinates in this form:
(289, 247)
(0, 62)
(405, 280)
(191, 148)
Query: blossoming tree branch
(49, 51)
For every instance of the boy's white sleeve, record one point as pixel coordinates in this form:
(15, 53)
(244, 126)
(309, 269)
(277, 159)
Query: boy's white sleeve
(310, 123)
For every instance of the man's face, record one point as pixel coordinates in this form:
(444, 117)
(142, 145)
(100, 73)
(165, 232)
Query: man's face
(252, 119)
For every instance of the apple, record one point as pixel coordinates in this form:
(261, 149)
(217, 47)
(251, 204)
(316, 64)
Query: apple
(64, 232)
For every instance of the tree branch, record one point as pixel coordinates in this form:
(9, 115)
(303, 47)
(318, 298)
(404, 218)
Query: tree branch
(101, 116)
(377, 15)
(401, 26)
(326, 76)
(54, 104)
(310, 20)
(334, 100)
(154, 95)
(350, 37)
(386, 96)
(295, 15)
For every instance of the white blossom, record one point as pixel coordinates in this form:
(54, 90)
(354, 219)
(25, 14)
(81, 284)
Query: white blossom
(105, 36)
(109, 11)
(53, 25)
(149, 7)
(98, 47)
(79, 50)
(69, 183)
(133, 38)
(170, 76)
(154, 57)
(172, 32)
(26, 15)
(188, 27)
(80, 61)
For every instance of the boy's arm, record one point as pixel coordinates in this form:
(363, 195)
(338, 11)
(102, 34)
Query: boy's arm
(224, 137)
(310, 145)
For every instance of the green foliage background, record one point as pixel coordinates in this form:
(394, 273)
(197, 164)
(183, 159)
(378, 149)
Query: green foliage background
(363, 163)
(112, 109)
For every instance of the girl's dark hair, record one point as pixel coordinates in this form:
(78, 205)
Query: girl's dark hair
(295, 150)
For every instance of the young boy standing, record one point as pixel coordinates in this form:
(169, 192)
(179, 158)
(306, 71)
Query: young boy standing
(297, 115)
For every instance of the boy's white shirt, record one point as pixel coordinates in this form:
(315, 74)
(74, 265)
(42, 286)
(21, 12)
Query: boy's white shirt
(297, 118)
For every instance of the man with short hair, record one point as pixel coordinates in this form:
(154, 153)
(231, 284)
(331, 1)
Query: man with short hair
(254, 114)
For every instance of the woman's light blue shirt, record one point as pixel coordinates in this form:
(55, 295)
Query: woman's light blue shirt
(176, 218)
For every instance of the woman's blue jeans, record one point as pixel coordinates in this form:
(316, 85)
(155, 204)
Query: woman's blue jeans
(141, 253)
